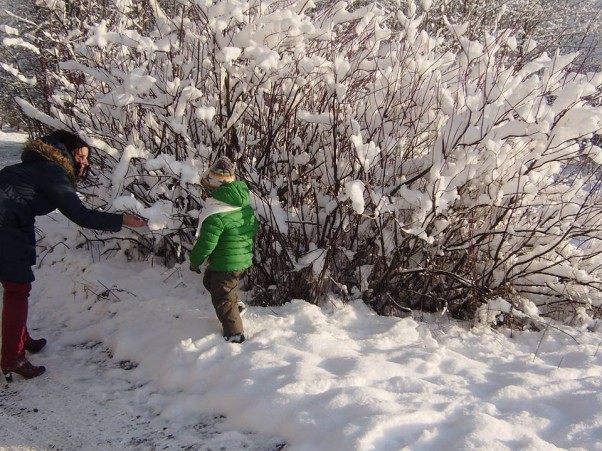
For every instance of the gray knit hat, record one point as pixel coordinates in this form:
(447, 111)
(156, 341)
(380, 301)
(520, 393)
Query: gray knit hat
(221, 173)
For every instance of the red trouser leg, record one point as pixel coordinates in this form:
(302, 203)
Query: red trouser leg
(14, 323)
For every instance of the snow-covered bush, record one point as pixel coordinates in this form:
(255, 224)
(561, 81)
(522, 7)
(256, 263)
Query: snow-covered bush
(386, 162)
(567, 25)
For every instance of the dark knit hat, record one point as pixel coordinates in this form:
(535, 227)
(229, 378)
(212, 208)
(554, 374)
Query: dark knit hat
(221, 173)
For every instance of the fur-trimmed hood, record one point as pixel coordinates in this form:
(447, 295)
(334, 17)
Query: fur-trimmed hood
(50, 149)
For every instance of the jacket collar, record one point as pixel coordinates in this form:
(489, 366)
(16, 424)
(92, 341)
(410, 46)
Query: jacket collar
(44, 149)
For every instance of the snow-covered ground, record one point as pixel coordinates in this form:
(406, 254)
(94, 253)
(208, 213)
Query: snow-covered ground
(135, 360)
(11, 145)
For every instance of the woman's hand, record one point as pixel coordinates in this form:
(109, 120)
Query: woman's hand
(134, 221)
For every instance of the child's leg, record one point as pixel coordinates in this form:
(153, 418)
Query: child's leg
(223, 288)
(207, 279)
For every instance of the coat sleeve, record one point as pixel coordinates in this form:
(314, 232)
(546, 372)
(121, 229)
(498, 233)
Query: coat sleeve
(211, 230)
(62, 194)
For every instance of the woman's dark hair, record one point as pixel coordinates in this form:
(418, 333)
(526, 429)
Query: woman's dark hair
(69, 139)
(72, 142)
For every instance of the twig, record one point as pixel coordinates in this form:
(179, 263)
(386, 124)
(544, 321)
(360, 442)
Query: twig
(112, 290)
(176, 270)
(541, 339)
(51, 250)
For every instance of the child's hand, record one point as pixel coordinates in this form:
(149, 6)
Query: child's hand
(195, 268)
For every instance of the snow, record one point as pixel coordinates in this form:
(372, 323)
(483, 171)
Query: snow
(136, 360)
(355, 191)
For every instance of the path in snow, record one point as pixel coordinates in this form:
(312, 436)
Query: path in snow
(68, 410)
(84, 404)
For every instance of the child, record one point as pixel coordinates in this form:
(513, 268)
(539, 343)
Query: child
(225, 235)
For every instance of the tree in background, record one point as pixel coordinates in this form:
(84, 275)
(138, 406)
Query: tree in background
(396, 154)
(19, 63)
(565, 25)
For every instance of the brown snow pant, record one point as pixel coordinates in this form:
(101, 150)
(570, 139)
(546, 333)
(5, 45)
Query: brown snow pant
(223, 289)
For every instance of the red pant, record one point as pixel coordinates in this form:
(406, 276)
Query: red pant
(14, 323)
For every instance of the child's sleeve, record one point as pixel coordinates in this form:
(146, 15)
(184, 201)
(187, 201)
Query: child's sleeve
(210, 231)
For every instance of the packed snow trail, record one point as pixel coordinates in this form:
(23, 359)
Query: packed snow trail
(69, 410)
(85, 403)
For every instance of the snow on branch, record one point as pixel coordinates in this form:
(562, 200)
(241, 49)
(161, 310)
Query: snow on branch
(376, 141)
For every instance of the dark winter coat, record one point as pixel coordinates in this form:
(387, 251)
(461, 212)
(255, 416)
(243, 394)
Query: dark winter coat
(226, 230)
(42, 183)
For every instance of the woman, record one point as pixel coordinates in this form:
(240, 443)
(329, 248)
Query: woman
(43, 182)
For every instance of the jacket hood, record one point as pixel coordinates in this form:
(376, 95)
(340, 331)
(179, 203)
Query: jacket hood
(235, 194)
(50, 149)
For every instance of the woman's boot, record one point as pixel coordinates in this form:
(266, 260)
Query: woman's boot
(25, 369)
(34, 346)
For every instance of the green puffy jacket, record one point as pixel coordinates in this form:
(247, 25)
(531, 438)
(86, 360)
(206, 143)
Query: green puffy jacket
(227, 227)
